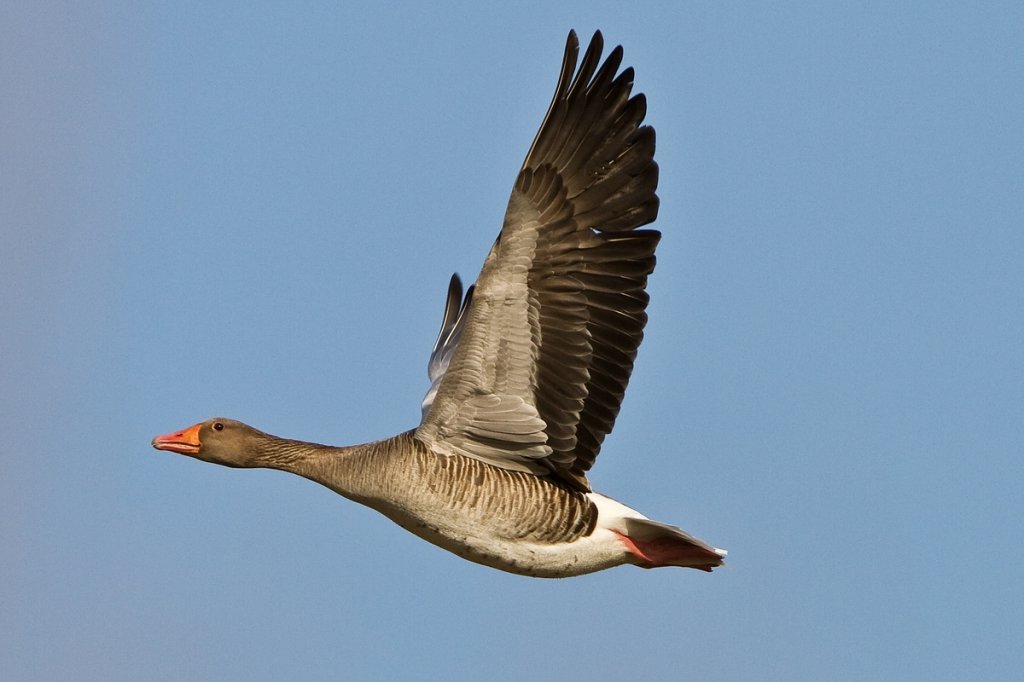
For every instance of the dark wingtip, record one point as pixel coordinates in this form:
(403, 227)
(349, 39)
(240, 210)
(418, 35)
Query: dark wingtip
(572, 46)
(455, 283)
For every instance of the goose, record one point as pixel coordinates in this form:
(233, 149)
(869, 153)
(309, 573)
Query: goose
(530, 366)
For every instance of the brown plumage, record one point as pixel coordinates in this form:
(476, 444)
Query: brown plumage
(562, 291)
(529, 369)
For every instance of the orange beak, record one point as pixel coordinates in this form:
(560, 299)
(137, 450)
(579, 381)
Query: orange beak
(185, 441)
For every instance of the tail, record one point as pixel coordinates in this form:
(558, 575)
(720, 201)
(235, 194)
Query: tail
(652, 544)
(659, 544)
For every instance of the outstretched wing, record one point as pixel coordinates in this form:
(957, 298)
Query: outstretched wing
(546, 345)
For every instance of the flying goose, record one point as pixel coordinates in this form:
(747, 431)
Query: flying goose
(529, 368)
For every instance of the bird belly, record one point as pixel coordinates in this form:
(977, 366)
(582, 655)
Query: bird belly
(508, 520)
(595, 552)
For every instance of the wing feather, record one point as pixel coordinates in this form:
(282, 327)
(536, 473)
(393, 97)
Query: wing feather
(536, 364)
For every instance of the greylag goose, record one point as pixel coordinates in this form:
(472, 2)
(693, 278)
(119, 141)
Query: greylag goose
(529, 368)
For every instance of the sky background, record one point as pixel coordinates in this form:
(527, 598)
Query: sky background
(252, 210)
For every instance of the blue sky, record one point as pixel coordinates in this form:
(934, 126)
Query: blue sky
(252, 210)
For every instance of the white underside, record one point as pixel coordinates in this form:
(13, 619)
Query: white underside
(595, 552)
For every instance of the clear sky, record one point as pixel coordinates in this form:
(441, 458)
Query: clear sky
(221, 209)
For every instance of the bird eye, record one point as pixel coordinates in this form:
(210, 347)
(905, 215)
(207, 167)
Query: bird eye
(217, 426)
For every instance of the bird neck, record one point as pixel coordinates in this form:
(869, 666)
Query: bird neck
(294, 456)
(347, 470)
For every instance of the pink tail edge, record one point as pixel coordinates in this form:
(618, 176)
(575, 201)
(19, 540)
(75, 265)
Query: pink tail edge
(672, 550)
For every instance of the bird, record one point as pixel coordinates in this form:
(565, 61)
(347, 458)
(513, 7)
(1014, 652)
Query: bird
(530, 366)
